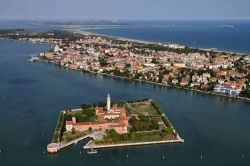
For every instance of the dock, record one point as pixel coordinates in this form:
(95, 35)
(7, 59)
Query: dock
(56, 147)
(33, 58)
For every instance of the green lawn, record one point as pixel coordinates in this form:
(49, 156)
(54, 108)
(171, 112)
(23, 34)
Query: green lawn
(142, 109)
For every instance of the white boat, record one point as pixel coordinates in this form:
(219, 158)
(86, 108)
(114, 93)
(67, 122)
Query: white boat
(92, 151)
(33, 58)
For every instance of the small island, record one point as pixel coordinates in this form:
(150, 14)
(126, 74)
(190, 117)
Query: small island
(126, 123)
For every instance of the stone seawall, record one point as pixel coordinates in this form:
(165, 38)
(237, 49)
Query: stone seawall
(91, 145)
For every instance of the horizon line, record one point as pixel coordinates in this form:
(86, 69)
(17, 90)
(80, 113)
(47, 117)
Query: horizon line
(122, 19)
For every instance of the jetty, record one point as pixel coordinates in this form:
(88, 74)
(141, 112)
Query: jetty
(33, 58)
(56, 147)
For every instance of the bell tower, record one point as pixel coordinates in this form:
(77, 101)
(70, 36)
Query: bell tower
(108, 103)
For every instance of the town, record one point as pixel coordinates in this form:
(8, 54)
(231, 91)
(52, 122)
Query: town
(173, 65)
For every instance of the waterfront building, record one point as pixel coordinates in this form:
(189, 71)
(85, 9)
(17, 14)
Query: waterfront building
(114, 117)
(175, 46)
(227, 89)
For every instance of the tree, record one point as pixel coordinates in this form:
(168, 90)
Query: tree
(160, 78)
(103, 62)
(245, 93)
(165, 120)
(121, 103)
(73, 131)
(154, 125)
(154, 60)
(84, 106)
(127, 65)
(126, 73)
(132, 136)
(137, 75)
(114, 135)
(133, 120)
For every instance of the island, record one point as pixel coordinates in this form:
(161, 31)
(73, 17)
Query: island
(207, 71)
(126, 123)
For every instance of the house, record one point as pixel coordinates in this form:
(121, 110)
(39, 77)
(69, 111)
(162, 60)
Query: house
(175, 81)
(194, 84)
(165, 79)
(179, 64)
(184, 81)
(226, 88)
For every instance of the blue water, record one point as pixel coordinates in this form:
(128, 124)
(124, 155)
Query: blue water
(230, 35)
(32, 94)
(227, 35)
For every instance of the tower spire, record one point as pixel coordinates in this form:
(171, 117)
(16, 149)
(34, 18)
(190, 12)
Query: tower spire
(108, 103)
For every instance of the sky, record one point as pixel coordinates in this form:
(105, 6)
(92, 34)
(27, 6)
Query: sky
(124, 9)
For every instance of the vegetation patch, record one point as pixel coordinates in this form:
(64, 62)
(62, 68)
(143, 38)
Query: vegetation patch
(142, 109)
(59, 128)
(147, 123)
(70, 136)
(112, 137)
(84, 115)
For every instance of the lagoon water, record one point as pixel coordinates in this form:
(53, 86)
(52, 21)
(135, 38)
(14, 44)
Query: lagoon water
(226, 35)
(32, 94)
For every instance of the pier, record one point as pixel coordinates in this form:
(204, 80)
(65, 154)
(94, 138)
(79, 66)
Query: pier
(56, 147)
(33, 58)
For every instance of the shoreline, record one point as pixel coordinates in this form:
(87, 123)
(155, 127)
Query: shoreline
(151, 82)
(142, 41)
(89, 146)
(128, 78)
(79, 31)
(160, 84)
(56, 146)
(110, 36)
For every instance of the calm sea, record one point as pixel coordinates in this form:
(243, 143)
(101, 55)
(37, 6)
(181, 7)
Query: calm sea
(227, 35)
